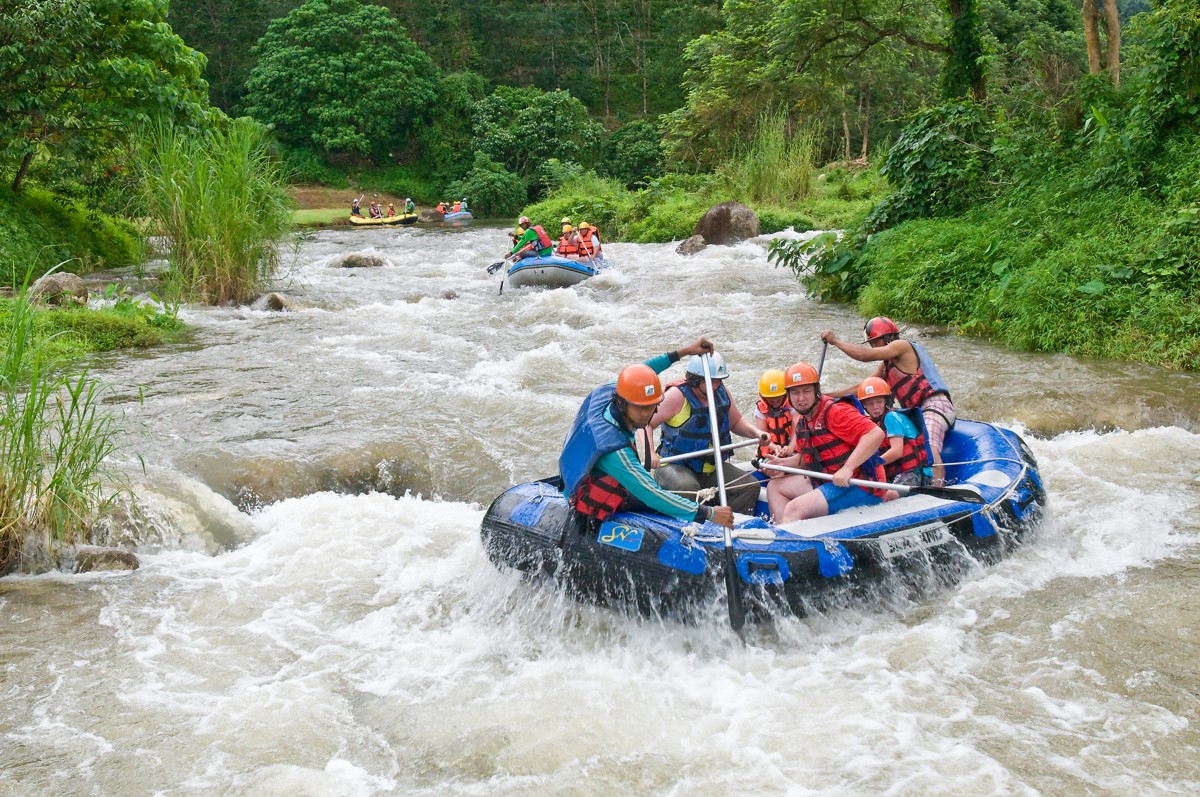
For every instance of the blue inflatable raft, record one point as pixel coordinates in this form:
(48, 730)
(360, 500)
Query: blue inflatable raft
(551, 271)
(912, 546)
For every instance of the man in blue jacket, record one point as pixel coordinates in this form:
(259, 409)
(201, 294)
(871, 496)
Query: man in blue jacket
(599, 464)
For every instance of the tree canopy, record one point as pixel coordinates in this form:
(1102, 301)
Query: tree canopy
(76, 76)
(342, 76)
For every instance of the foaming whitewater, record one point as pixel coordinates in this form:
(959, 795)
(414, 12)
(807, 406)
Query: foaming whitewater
(315, 614)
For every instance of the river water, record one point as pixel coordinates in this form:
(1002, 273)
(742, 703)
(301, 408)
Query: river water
(314, 614)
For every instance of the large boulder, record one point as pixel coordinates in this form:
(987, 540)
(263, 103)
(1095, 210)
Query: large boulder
(360, 260)
(60, 288)
(91, 558)
(276, 302)
(727, 223)
(430, 215)
(692, 245)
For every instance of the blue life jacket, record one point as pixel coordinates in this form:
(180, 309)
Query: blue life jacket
(591, 436)
(930, 370)
(694, 434)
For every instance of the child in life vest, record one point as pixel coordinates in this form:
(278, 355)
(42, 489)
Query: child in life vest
(905, 452)
(774, 415)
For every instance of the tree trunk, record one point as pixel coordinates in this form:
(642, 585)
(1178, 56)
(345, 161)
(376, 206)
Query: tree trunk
(845, 135)
(1112, 18)
(866, 125)
(20, 178)
(1091, 35)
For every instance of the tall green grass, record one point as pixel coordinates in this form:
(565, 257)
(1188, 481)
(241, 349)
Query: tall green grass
(219, 198)
(53, 443)
(776, 165)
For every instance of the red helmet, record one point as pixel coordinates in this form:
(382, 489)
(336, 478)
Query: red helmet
(638, 384)
(800, 374)
(873, 387)
(879, 326)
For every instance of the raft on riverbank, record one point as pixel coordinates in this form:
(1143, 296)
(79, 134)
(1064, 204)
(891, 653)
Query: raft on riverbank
(659, 565)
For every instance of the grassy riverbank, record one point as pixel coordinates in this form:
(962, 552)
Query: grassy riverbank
(669, 207)
(39, 230)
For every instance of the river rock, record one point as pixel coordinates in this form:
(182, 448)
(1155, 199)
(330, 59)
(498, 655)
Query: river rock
(727, 223)
(60, 288)
(692, 245)
(360, 260)
(89, 558)
(430, 215)
(275, 302)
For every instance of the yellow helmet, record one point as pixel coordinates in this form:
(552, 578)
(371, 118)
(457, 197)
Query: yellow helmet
(566, 220)
(771, 384)
(567, 228)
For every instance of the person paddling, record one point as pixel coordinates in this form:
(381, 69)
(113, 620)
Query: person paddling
(910, 373)
(599, 465)
(533, 241)
(356, 206)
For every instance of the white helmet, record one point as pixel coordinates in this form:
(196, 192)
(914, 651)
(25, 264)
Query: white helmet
(717, 369)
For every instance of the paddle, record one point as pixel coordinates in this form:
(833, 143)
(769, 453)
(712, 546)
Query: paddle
(821, 362)
(737, 615)
(706, 452)
(961, 492)
(494, 267)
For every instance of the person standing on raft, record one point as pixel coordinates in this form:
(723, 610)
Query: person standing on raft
(599, 465)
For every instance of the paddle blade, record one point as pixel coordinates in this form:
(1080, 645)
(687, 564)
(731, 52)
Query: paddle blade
(494, 267)
(959, 492)
(733, 591)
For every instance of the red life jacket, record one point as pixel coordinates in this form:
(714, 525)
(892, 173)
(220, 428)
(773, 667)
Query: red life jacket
(599, 496)
(822, 450)
(585, 244)
(910, 390)
(915, 453)
(566, 246)
(779, 425)
(544, 241)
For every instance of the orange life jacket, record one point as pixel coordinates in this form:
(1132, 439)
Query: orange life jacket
(779, 425)
(568, 246)
(585, 244)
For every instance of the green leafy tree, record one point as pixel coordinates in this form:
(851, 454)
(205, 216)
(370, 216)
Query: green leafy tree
(634, 153)
(521, 128)
(492, 189)
(447, 143)
(225, 31)
(342, 76)
(77, 75)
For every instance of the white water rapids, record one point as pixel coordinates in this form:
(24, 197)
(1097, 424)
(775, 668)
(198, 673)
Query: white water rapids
(314, 614)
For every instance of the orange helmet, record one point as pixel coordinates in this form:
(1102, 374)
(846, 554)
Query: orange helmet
(801, 374)
(879, 326)
(770, 384)
(873, 387)
(638, 384)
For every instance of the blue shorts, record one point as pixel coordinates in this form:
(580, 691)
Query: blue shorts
(839, 498)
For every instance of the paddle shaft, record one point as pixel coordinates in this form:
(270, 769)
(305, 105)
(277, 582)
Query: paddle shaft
(706, 452)
(955, 493)
(737, 615)
(821, 362)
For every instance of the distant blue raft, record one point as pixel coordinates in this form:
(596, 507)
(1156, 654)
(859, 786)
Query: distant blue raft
(459, 219)
(915, 545)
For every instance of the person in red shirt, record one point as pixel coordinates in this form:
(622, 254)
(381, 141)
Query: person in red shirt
(830, 436)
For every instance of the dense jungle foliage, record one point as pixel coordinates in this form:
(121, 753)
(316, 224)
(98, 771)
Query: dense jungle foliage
(979, 155)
